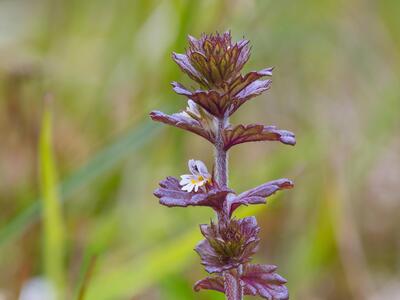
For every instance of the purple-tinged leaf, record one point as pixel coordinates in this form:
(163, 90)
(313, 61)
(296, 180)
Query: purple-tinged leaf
(183, 62)
(258, 194)
(262, 280)
(171, 194)
(256, 280)
(179, 120)
(253, 89)
(241, 82)
(210, 283)
(256, 132)
(228, 245)
(226, 100)
(211, 100)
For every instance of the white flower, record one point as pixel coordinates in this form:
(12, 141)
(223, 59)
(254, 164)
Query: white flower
(195, 112)
(197, 179)
(191, 111)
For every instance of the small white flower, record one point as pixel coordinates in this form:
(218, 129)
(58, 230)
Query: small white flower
(191, 111)
(197, 179)
(193, 108)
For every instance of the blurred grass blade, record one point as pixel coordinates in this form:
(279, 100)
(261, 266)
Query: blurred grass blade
(130, 278)
(86, 276)
(99, 164)
(53, 229)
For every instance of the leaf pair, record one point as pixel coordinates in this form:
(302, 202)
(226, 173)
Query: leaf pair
(261, 280)
(171, 194)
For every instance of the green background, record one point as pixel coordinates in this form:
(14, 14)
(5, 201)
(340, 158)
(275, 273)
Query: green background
(107, 64)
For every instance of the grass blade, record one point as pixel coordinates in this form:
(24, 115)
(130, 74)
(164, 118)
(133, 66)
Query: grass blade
(99, 164)
(86, 277)
(53, 228)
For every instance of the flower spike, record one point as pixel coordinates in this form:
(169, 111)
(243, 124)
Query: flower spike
(213, 59)
(215, 62)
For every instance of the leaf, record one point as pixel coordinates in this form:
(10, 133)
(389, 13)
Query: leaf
(215, 283)
(256, 132)
(262, 280)
(212, 101)
(171, 194)
(226, 100)
(258, 194)
(183, 62)
(183, 122)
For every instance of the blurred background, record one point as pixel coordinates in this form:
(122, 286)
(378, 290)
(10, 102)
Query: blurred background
(104, 65)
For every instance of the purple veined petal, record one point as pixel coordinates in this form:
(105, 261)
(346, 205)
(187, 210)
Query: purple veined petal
(254, 133)
(198, 168)
(202, 169)
(192, 166)
(258, 194)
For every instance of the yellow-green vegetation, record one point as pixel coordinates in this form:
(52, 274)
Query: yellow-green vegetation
(108, 64)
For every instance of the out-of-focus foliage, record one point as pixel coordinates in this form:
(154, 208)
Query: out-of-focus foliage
(108, 63)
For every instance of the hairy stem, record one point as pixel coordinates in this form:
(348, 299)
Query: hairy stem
(221, 157)
(233, 288)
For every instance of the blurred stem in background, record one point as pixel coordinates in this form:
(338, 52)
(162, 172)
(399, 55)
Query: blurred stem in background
(53, 227)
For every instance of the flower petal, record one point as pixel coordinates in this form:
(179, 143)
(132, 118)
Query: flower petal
(202, 169)
(192, 167)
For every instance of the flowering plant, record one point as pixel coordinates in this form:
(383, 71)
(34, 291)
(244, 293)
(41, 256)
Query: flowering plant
(215, 63)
